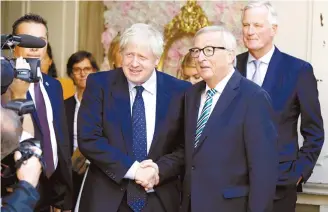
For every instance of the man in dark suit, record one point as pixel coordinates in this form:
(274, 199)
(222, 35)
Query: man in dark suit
(229, 134)
(119, 123)
(49, 121)
(292, 87)
(79, 66)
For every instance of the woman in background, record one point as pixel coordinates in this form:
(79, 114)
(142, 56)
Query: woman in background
(79, 66)
(47, 63)
(114, 55)
(188, 71)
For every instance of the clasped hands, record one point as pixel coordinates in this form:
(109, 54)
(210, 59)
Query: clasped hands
(147, 174)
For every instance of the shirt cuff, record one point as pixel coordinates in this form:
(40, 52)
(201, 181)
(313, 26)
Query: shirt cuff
(25, 135)
(131, 173)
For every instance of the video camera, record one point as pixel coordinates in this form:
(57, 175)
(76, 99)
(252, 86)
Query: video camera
(11, 69)
(8, 167)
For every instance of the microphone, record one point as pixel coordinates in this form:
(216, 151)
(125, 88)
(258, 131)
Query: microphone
(22, 40)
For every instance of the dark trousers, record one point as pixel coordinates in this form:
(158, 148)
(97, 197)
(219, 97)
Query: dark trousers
(154, 204)
(77, 182)
(286, 197)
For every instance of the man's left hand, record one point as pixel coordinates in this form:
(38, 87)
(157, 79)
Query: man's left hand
(299, 180)
(53, 209)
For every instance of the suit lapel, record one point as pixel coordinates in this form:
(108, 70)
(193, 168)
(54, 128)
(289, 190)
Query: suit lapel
(229, 93)
(121, 95)
(54, 105)
(272, 72)
(242, 63)
(162, 104)
(193, 104)
(34, 114)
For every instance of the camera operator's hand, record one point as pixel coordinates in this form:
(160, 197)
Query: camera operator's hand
(31, 169)
(53, 209)
(18, 89)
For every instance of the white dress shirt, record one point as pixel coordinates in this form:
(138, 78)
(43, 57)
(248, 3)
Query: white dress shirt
(76, 111)
(149, 97)
(219, 88)
(49, 115)
(263, 67)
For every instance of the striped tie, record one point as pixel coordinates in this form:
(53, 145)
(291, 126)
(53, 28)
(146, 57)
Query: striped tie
(205, 114)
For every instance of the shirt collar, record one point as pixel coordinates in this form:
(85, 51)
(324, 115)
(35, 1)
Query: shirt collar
(77, 99)
(265, 59)
(149, 85)
(39, 74)
(221, 85)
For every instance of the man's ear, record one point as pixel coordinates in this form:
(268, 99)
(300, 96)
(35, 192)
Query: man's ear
(274, 29)
(232, 57)
(157, 62)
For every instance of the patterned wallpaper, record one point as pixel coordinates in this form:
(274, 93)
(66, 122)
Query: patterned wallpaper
(122, 14)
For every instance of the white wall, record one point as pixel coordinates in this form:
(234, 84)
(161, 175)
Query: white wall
(293, 27)
(62, 23)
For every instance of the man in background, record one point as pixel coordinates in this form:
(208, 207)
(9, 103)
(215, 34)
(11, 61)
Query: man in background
(292, 87)
(49, 121)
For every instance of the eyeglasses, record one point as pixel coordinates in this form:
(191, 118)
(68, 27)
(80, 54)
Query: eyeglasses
(207, 51)
(86, 70)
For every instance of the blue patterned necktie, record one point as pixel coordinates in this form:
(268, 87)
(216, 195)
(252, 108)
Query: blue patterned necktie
(136, 194)
(204, 116)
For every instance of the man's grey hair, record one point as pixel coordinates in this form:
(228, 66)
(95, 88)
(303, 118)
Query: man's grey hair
(229, 40)
(272, 14)
(11, 130)
(145, 33)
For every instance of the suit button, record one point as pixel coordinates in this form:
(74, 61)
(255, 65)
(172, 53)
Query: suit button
(193, 167)
(113, 176)
(122, 189)
(189, 196)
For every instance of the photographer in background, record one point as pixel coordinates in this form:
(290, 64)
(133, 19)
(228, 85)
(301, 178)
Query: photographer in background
(25, 196)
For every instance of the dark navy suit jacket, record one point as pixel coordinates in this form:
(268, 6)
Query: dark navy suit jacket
(292, 87)
(235, 166)
(105, 138)
(70, 104)
(57, 191)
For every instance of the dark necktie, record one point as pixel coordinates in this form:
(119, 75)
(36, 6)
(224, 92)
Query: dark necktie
(136, 194)
(46, 142)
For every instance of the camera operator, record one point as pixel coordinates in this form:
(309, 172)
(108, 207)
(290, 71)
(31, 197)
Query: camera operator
(48, 121)
(25, 196)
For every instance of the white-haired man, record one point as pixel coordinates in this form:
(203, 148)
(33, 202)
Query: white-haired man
(229, 136)
(119, 122)
(293, 90)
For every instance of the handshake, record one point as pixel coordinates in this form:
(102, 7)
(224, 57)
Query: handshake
(147, 174)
